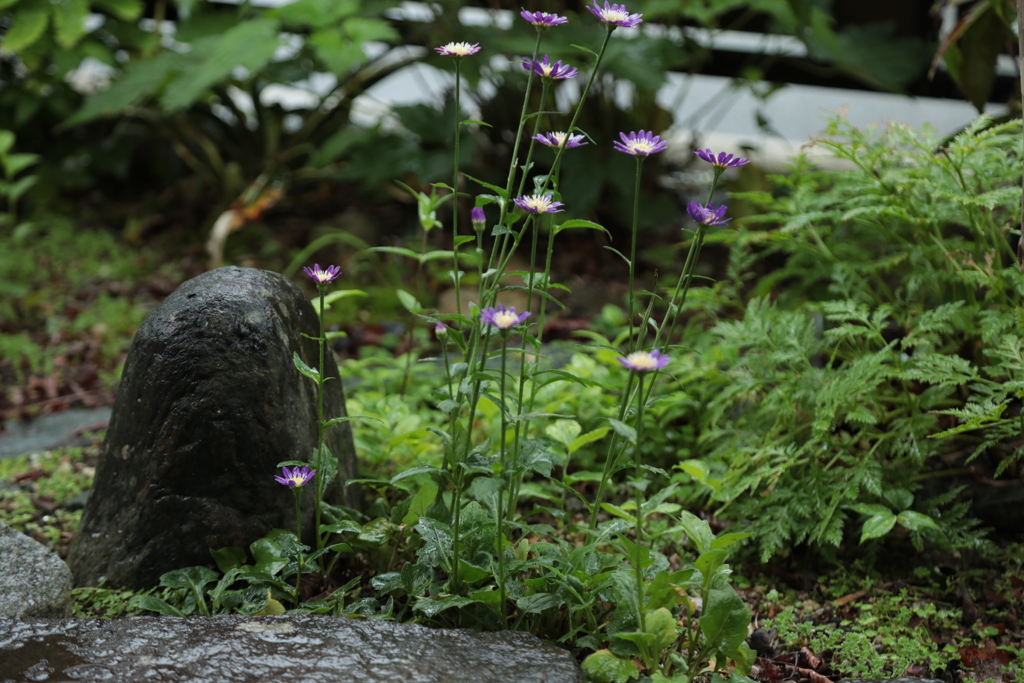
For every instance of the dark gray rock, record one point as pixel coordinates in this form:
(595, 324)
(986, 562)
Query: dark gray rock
(209, 403)
(34, 582)
(284, 649)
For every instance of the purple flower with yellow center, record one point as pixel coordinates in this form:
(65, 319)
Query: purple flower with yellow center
(642, 144)
(538, 203)
(478, 218)
(643, 361)
(458, 49)
(615, 15)
(542, 20)
(560, 140)
(722, 161)
(545, 68)
(503, 318)
(708, 215)
(322, 277)
(295, 477)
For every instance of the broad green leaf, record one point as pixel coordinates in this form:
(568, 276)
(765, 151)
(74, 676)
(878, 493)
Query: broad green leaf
(876, 526)
(408, 301)
(364, 29)
(248, 45)
(301, 366)
(725, 619)
(431, 607)
(726, 540)
(419, 504)
(229, 558)
(28, 25)
(155, 604)
(708, 563)
(697, 530)
(14, 163)
(695, 468)
(69, 22)
(142, 79)
(624, 430)
(128, 10)
(604, 667)
(898, 499)
(662, 625)
(538, 602)
(189, 577)
(341, 56)
(915, 521)
(589, 437)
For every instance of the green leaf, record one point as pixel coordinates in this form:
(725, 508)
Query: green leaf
(341, 56)
(301, 366)
(624, 430)
(431, 607)
(898, 499)
(726, 540)
(128, 10)
(14, 163)
(538, 602)
(563, 431)
(142, 79)
(604, 667)
(229, 558)
(725, 619)
(27, 27)
(364, 29)
(878, 525)
(662, 625)
(915, 521)
(249, 45)
(155, 604)
(189, 577)
(69, 22)
(695, 468)
(697, 530)
(590, 437)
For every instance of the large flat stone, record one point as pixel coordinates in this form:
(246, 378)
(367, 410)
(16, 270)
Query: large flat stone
(283, 649)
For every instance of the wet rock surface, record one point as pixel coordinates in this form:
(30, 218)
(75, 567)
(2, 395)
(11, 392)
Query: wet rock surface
(284, 649)
(209, 403)
(34, 582)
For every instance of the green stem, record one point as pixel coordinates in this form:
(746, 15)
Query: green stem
(319, 424)
(638, 470)
(500, 508)
(632, 251)
(455, 185)
(298, 537)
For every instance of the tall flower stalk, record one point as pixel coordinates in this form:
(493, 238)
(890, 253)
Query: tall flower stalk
(458, 51)
(295, 478)
(322, 277)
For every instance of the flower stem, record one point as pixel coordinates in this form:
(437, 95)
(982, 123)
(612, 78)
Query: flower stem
(298, 537)
(321, 341)
(455, 185)
(632, 251)
(500, 508)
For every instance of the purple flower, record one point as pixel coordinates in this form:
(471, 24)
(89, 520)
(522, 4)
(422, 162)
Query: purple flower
(643, 361)
(707, 215)
(440, 330)
(458, 49)
(542, 20)
(722, 161)
(538, 203)
(296, 476)
(503, 318)
(478, 218)
(560, 140)
(322, 277)
(546, 69)
(615, 15)
(642, 144)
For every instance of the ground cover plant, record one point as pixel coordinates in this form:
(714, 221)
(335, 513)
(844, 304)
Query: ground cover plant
(861, 349)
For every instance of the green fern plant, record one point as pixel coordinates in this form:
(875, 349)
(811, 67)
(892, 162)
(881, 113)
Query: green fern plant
(885, 352)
